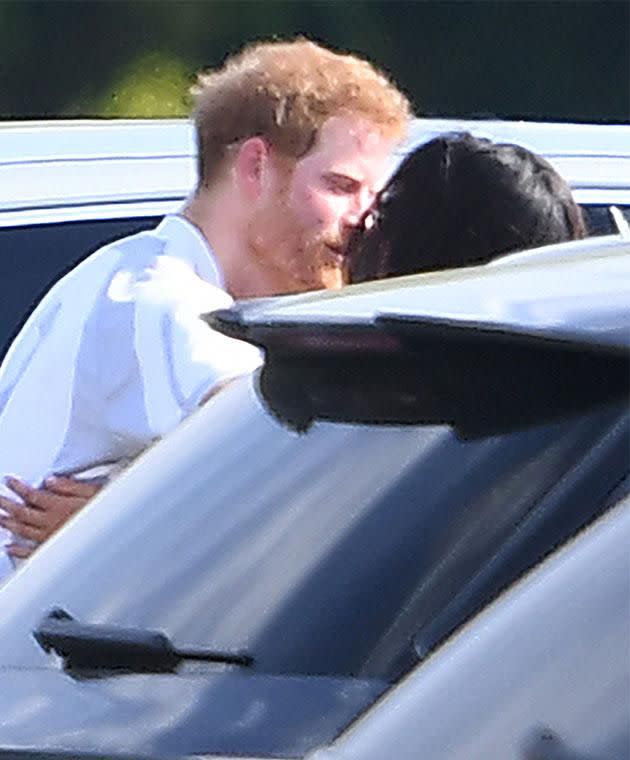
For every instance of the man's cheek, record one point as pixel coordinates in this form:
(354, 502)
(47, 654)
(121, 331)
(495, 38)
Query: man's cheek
(320, 210)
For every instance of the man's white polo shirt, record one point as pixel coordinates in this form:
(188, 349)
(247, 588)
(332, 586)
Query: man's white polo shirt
(115, 356)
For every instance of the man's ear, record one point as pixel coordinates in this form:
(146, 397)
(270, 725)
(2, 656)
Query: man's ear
(251, 166)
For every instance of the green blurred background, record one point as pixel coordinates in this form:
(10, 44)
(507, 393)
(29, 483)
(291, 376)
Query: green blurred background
(545, 59)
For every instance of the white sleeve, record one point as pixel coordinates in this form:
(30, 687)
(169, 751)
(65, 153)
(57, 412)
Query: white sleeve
(203, 358)
(178, 357)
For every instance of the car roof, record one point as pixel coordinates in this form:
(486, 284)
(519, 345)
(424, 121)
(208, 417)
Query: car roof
(48, 164)
(89, 163)
(593, 158)
(575, 291)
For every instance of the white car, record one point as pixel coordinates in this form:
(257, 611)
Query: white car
(144, 166)
(68, 187)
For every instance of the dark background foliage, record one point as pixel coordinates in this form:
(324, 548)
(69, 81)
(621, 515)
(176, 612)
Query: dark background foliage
(544, 59)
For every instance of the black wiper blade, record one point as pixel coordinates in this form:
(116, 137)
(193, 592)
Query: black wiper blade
(96, 647)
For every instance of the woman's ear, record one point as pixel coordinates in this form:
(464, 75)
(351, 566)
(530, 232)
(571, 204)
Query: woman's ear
(251, 166)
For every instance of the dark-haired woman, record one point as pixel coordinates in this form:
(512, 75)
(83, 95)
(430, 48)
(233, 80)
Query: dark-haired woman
(460, 200)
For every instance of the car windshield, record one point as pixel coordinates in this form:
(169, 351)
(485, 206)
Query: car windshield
(323, 552)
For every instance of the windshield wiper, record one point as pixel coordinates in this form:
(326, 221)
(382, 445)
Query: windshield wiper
(96, 647)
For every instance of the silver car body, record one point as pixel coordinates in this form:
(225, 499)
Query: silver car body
(540, 670)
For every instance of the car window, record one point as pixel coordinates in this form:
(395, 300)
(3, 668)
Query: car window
(33, 257)
(543, 674)
(327, 552)
(599, 220)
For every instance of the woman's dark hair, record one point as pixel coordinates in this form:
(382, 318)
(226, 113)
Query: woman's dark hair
(459, 200)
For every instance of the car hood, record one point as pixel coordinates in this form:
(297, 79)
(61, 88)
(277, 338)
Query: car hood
(200, 712)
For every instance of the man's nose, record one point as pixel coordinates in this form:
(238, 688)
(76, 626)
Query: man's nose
(360, 204)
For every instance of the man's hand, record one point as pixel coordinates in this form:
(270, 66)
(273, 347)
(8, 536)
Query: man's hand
(44, 510)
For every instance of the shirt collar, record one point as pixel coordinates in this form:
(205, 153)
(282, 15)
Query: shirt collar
(185, 241)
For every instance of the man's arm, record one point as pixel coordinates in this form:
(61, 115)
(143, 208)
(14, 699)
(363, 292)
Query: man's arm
(44, 510)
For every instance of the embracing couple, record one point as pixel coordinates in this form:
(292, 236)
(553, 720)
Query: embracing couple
(294, 144)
